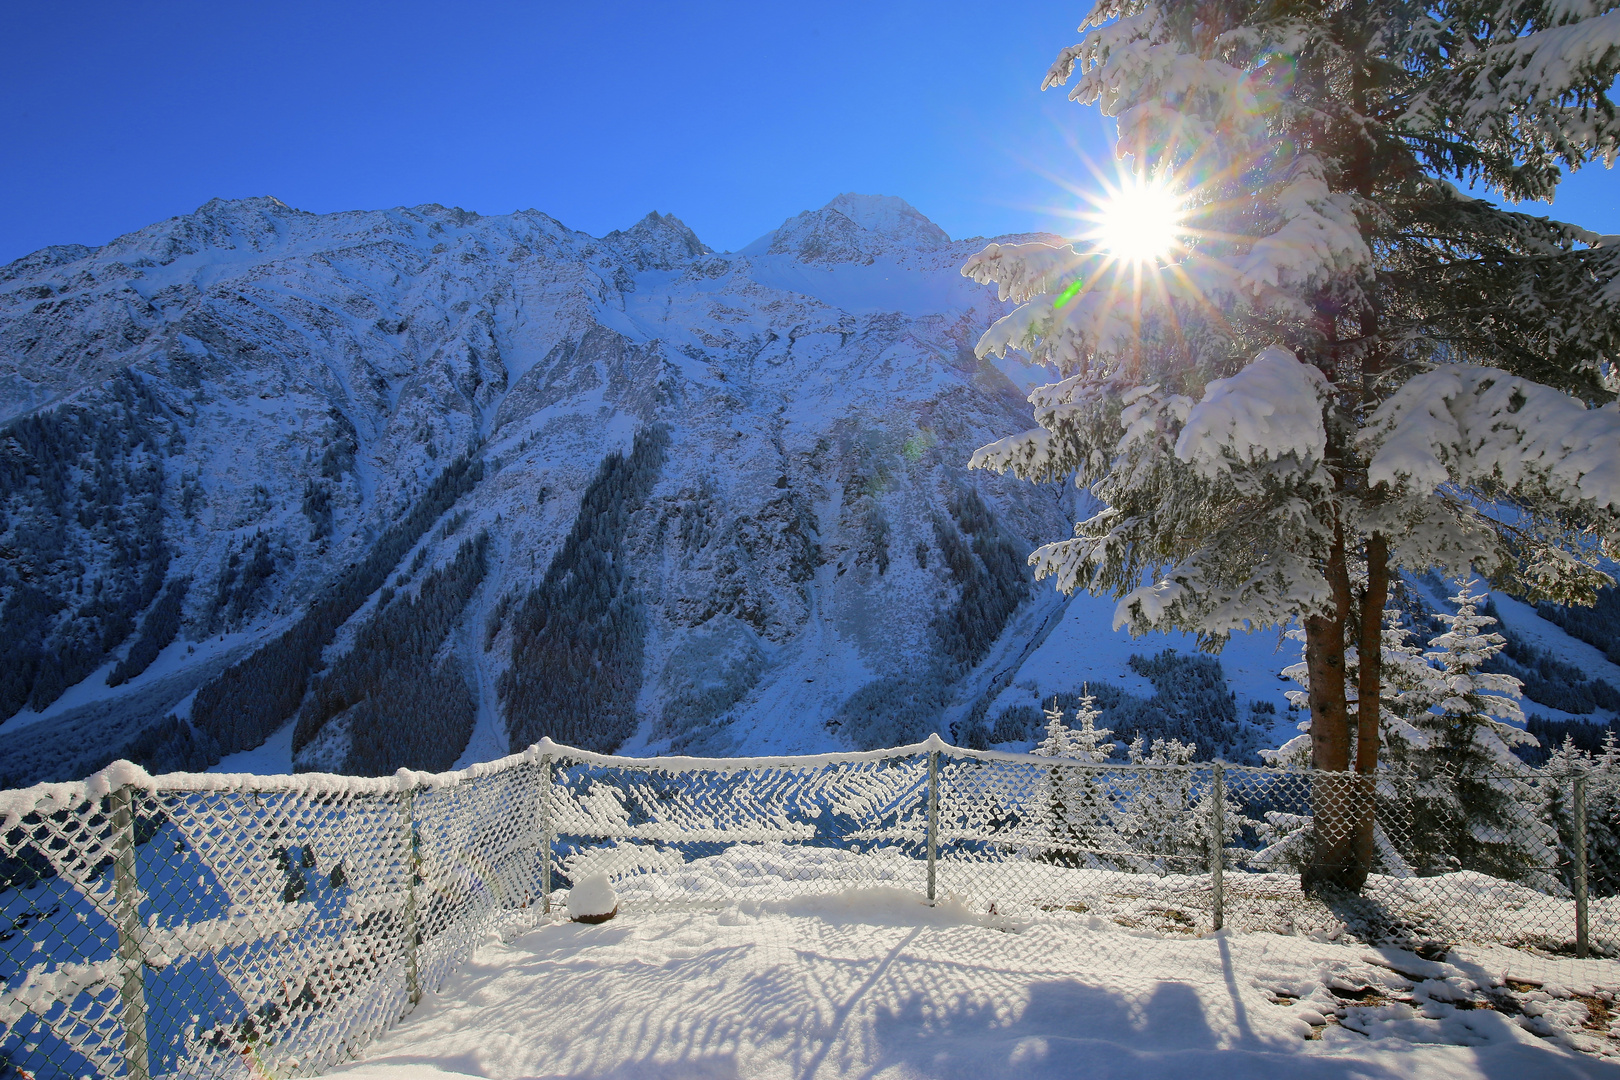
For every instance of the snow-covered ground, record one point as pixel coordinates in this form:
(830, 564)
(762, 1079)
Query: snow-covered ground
(872, 983)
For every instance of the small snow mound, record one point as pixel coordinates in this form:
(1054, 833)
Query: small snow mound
(592, 899)
(879, 906)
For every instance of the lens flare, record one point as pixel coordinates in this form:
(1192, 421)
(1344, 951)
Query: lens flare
(1139, 222)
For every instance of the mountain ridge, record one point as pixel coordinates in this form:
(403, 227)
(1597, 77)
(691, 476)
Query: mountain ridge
(356, 490)
(298, 380)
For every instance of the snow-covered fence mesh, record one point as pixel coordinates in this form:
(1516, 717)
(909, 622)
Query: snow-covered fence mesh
(272, 926)
(243, 925)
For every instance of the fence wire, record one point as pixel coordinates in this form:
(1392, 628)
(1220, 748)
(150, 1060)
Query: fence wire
(209, 926)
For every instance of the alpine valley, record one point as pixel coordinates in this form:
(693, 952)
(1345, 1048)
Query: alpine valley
(416, 487)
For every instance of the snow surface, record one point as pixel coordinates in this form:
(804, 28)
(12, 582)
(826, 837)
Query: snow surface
(874, 983)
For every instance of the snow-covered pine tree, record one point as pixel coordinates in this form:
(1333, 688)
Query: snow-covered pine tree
(1313, 145)
(1159, 817)
(1603, 820)
(1059, 739)
(1090, 742)
(1078, 806)
(1602, 774)
(1473, 702)
(1470, 804)
(1409, 687)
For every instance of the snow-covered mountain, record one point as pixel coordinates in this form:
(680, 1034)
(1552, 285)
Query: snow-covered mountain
(411, 487)
(222, 415)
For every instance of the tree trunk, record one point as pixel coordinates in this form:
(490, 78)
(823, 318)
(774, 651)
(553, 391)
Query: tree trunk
(1334, 796)
(1369, 691)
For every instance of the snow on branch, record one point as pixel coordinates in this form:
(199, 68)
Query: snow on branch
(1022, 272)
(1316, 237)
(1028, 454)
(1469, 425)
(1270, 409)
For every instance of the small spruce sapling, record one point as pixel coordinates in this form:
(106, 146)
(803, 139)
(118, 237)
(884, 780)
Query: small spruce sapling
(1159, 816)
(1469, 809)
(1079, 808)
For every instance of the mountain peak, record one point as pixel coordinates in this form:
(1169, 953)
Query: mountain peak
(252, 202)
(658, 241)
(890, 216)
(852, 228)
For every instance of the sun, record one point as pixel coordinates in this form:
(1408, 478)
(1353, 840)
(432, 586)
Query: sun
(1138, 222)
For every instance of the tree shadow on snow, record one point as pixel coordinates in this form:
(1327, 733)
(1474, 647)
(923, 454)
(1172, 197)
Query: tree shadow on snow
(1071, 1029)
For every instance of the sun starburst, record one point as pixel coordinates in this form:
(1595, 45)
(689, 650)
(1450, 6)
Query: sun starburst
(1137, 221)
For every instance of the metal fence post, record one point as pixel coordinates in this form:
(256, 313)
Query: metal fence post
(1581, 941)
(126, 901)
(933, 818)
(546, 838)
(413, 862)
(1217, 845)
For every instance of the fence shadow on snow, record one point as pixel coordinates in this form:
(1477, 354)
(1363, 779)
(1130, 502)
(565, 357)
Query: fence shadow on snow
(213, 925)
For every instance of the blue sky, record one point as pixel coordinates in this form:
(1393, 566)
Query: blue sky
(733, 116)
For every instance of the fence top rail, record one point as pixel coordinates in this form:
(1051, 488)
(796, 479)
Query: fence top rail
(48, 798)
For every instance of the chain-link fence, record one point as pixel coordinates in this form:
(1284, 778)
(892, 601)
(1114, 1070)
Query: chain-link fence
(272, 926)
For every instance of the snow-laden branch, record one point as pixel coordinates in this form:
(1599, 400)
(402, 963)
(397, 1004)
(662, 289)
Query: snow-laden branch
(1022, 272)
(1467, 425)
(1270, 409)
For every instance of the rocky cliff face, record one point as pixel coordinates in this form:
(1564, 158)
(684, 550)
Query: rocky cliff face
(438, 483)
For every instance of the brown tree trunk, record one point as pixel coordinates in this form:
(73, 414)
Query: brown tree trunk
(1369, 691)
(1334, 799)
(1343, 803)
